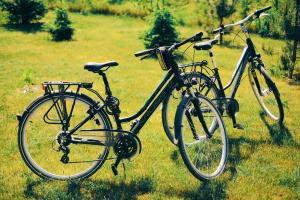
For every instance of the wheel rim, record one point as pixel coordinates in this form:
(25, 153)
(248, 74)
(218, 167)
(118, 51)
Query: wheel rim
(39, 142)
(266, 98)
(206, 156)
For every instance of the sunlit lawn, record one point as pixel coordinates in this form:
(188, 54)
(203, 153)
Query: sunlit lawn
(264, 158)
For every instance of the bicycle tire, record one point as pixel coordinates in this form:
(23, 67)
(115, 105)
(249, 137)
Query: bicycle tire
(39, 166)
(205, 146)
(255, 80)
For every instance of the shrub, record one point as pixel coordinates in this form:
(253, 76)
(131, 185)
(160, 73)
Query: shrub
(162, 31)
(62, 29)
(24, 11)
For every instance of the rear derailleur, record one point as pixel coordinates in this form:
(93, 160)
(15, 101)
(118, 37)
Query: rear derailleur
(64, 140)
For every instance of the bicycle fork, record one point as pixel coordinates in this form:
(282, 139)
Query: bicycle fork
(200, 116)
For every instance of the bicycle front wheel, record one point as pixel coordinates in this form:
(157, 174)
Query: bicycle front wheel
(204, 86)
(204, 156)
(266, 93)
(39, 132)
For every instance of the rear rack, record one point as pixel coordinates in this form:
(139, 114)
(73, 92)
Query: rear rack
(66, 83)
(49, 86)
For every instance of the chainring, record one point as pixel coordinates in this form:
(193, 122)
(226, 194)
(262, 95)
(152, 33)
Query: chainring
(127, 145)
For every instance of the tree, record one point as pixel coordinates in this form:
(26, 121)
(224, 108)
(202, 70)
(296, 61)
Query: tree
(23, 11)
(291, 30)
(224, 10)
(62, 29)
(162, 31)
(296, 38)
(245, 4)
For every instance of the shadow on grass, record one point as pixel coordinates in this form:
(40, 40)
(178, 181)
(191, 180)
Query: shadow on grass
(207, 191)
(279, 133)
(240, 149)
(89, 189)
(26, 28)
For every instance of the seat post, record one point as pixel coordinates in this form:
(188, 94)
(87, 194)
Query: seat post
(107, 88)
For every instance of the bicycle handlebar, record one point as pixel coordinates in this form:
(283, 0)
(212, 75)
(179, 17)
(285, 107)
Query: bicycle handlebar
(257, 13)
(144, 52)
(194, 38)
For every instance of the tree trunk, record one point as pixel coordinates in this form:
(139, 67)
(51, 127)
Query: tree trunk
(221, 34)
(296, 33)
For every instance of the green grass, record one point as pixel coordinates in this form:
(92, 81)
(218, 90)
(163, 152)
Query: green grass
(264, 158)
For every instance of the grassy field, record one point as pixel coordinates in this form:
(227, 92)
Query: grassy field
(264, 158)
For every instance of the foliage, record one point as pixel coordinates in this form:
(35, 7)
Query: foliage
(115, 1)
(62, 29)
(280, 22)
(3, 17)
(23, 11)
(245, 5)
(162, 31)
(224, 9)
(286, 57)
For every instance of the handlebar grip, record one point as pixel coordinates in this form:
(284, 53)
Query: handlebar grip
(144, 52)
(258, 12)
(196, 37)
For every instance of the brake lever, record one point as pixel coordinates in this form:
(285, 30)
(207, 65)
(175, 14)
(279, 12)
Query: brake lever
(264, 14)
(146, 56)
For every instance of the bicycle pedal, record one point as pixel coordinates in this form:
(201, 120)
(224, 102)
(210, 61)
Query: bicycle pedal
(114, 169)
(238, 126)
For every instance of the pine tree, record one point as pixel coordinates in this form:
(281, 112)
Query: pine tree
(62, 29)
(23, 11)
(162, 31)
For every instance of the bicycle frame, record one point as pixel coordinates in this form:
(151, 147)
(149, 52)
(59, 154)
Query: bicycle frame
(247, 56)
(164, 88)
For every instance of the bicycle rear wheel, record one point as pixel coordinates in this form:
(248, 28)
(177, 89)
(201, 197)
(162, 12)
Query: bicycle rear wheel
(266, 93)
(38, 138)
(204, 157)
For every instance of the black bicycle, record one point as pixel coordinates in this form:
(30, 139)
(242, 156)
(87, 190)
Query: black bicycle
(209, 82)
(66, 134)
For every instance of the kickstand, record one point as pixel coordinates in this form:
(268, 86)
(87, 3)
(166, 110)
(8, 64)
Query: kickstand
(236, 125)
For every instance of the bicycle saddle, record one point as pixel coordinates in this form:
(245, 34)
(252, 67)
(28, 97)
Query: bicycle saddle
(96, 67)
(205, 45)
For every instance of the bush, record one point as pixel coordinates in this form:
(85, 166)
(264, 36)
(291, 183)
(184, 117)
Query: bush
(162, 31)
(23, 12)
(62, 29)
